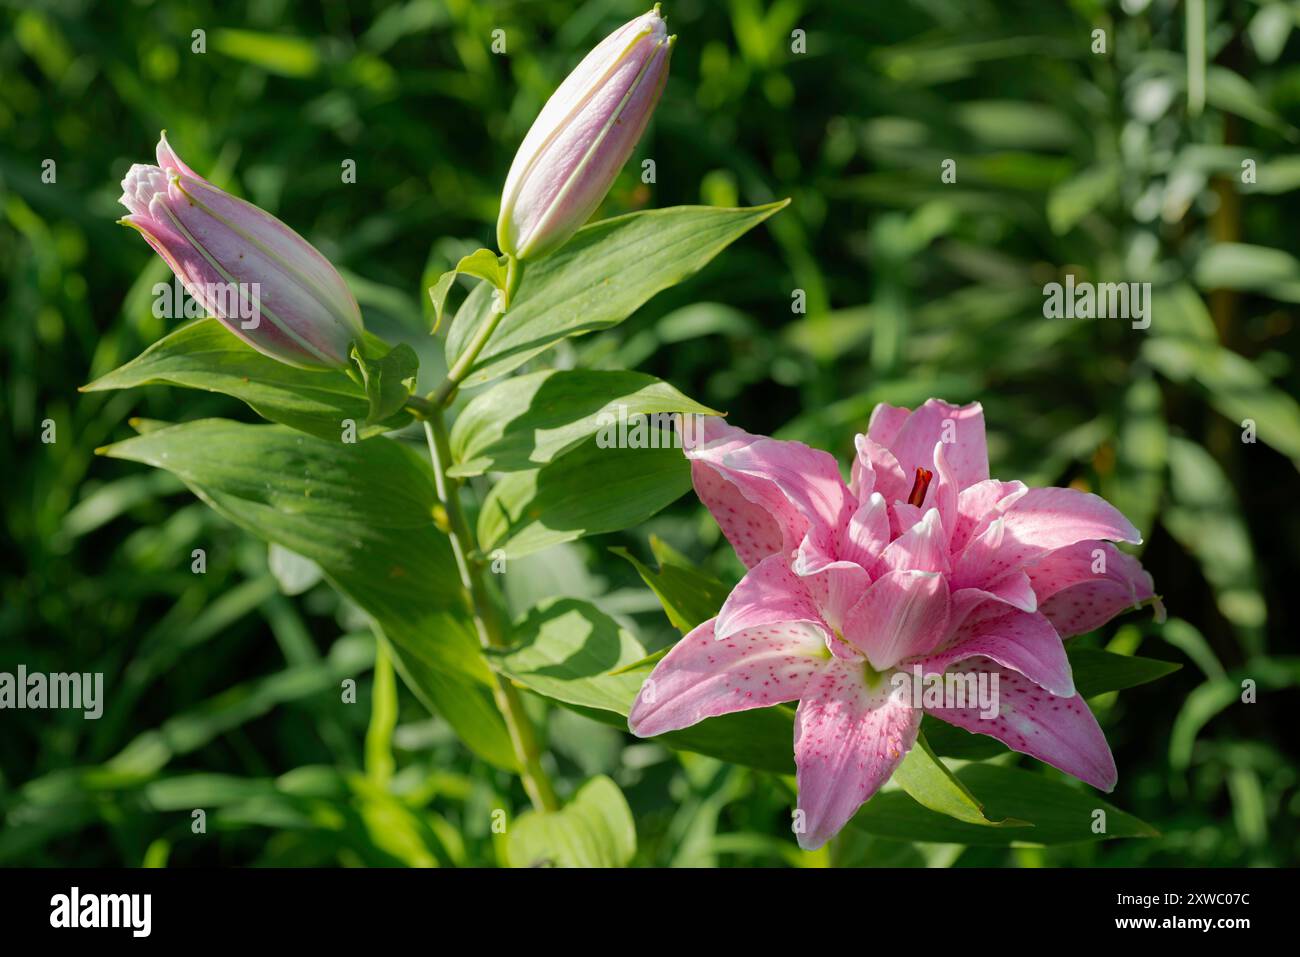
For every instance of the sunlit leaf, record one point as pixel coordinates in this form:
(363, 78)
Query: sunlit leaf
(597, 279)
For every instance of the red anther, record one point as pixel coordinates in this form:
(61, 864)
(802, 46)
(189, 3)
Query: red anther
(920, 486)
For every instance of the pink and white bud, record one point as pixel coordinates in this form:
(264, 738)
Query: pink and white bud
(266, 284)
(582, 138)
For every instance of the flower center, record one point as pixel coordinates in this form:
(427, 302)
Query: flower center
(920, 486)
(870, 674)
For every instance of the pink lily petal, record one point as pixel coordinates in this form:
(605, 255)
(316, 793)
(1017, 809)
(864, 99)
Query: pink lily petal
(902, 614)
(848, 739)
(868, 533)
(808, 479)
(782, 484)
(923, 547)
(960, 427)
(702, 677)
(769, 595)
(1059, 731)
(1014, 639)
(943, 491)
(1085, 585)
(885, 422)
(902, 517)
(862, 479)
(978, 505)
(1040, 521)
(835, 586)
(1014, 590)
(888, 477)
(167, 159)
(753, 531)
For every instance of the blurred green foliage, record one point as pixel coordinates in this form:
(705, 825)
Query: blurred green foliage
(223, 689)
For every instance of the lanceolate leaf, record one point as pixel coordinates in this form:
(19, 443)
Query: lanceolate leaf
(689, 596)
(570, 651)
(1137, 481)
(483, 263)
(1060, 813)
(204, 355)
(1204, 515)
(1098, 672)
(929, 782)
(363, 512)
(529, 420)
(595, 829)
(596, 280)
(585, 492)
(1234, 385)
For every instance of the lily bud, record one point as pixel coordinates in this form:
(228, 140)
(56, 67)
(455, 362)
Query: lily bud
(582, 138)
(266, 284)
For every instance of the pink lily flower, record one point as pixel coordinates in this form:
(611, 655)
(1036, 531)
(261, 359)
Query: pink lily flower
(920, 562)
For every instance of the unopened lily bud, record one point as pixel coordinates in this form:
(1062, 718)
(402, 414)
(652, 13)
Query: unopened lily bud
(582, 138)
(266, 284)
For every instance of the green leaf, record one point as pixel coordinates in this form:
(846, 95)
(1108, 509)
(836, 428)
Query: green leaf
(596, 280)
(1234, 386)
(389, 380)
(931, 784)
(364, 513)
(483, 263)
(595, 829)
(1204, 516)
(1074, 199)
(1233, 93)
(205, 355)
(1269, 30)
(1059, 813)
(1099, 672)
(1136, 483)
(688, 595)
(585, 492)
(1262, 269)
(528, 421)
(1276, 673)
(572, 652)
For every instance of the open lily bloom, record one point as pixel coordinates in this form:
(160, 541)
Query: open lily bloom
(920, 562)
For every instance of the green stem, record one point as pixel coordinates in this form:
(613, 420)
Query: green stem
(442, 395)
(486, 620)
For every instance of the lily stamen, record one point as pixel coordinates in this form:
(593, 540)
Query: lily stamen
(920, 487)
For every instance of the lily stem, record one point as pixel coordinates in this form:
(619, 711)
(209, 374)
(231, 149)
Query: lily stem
(523, 736)
(442, 395)
(446, 390)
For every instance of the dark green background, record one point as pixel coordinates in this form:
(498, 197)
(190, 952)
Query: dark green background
(1109, 166)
